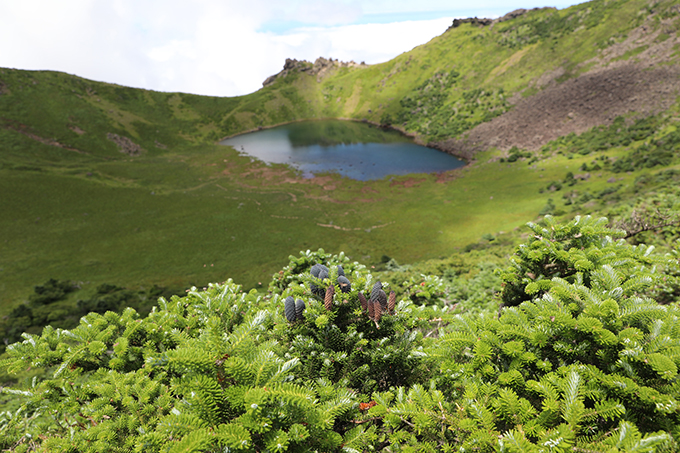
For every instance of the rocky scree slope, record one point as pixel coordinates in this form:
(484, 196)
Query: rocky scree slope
(643, 86)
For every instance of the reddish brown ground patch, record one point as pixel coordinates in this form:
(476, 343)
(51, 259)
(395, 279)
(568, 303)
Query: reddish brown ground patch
(269, 174)
(410, 182)
(447, 176)
(26, 130)
(275, 177)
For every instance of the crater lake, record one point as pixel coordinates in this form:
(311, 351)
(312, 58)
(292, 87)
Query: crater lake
(356, 150)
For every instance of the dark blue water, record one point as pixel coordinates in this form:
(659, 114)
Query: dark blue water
(356, 150)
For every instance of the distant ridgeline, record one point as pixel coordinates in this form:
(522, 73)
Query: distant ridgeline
(322, 66)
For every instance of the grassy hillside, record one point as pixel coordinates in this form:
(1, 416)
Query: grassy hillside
(104, 183)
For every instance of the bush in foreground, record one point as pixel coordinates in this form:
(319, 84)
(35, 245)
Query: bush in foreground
(581, 361)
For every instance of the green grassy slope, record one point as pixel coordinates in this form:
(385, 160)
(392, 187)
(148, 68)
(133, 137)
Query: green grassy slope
(466, 75)
(186, 211)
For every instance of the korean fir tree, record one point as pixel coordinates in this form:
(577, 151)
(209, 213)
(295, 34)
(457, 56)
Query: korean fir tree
(200, 373)
(339, 339)
(220, 370)
(582, 360)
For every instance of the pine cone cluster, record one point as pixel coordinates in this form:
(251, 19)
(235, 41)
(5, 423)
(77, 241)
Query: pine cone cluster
(321, 272)
(378, 303)
(392, 302)
(364, 302)
(343, 282)
(293, 309)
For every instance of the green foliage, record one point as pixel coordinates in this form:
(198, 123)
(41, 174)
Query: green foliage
(217, 369)
(515, 154)
(652, 145)
(48, 306)
(434, 110)
(550, 24)
(343, 343)
(582, 357)
(601, 138)
(548, 209)
(572, 252)
(660, 152)
(477, 293)
(424, 289)
(583, 361)
(49, 292)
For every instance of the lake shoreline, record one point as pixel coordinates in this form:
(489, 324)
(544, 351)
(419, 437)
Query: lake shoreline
(357, 149)
(439, 146)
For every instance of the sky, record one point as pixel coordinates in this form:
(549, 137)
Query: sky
(220, 47)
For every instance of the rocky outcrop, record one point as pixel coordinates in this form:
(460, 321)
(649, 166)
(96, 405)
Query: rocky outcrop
(520, 12)
(125, 145)
(484, 22)
(291, 65)
(470, 20)
(320, 68)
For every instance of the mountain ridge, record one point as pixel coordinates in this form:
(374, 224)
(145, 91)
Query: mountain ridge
(438, 100)
(611, 88)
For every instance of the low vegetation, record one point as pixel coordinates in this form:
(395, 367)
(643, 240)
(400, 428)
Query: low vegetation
(579, 358)
(52, 304)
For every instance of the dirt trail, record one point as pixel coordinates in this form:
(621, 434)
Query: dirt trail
(26, 130)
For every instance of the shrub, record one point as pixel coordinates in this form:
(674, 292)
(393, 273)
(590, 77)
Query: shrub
(582, 359)
(220, 369)
(578, 360)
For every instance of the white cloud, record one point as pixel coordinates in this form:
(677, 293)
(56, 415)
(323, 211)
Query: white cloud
(372, 43)
(213, 47)
(296, 39)
(326, 12)
(171, 50)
